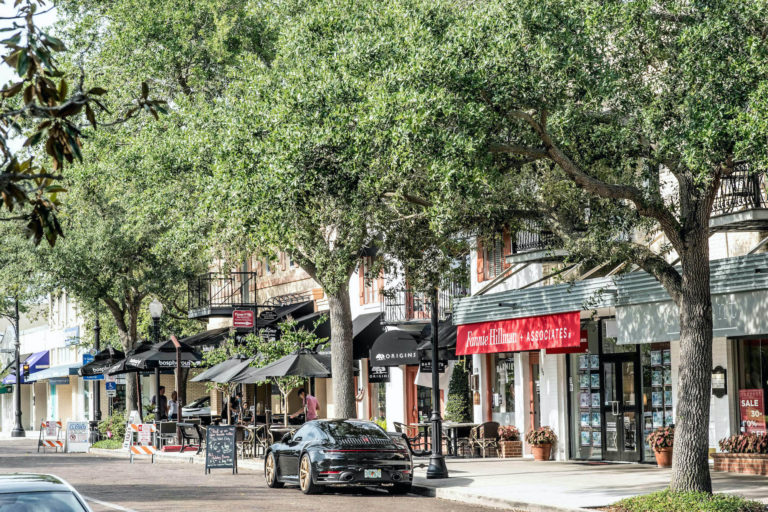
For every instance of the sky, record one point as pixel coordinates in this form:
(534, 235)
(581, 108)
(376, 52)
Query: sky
(7, 10)
(6, 74)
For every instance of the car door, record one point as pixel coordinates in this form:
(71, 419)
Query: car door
(289, 452)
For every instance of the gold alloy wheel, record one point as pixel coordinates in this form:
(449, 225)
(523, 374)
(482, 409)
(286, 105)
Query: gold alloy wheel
(269, 471)
(304, 473)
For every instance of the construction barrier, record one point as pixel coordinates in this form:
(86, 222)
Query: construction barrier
(138, 439)
(50, 436)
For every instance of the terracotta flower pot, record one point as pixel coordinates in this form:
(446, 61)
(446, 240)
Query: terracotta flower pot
(663, 457)
(541, 451)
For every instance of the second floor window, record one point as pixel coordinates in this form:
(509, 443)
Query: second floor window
(370, 287)
(491, 257)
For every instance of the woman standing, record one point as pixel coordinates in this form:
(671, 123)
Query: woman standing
(173, 407)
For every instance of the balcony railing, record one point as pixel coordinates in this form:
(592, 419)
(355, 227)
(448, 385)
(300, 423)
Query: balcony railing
(527, 241)
(743, 190)
(404, 305)
(216, 293)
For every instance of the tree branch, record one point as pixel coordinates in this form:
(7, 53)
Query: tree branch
(658, 212)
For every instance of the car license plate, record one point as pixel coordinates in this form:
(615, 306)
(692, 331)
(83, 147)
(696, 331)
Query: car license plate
(372, 473)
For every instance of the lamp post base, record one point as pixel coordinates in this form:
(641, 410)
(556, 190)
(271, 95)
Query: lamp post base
(437, 467)
(18, 432)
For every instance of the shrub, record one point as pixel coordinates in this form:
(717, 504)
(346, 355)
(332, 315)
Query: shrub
(541, 435)
(663, 437)
(745, 443)
(459, 405)
(509, 433)
(668, 501)
(108, 444)
(113, 427)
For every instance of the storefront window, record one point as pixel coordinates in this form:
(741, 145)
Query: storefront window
(657, 389)
(584, 389)
(424, 403)
(379, 403)
(753, 384)
(503, 391)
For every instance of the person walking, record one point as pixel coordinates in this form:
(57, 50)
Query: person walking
(173, 406)
(310, 406)
(163, 402)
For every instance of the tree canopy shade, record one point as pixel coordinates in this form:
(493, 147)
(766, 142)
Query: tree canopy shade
(611, 116)
(310, 147)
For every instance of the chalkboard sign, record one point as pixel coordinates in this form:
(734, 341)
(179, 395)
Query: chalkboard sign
(220, 448)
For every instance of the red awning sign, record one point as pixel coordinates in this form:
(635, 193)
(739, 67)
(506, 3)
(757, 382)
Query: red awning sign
(242, 318)
(517, 334)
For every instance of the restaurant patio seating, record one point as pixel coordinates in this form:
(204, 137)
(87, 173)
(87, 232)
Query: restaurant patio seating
(244, 441)
(485, 437)
(261, 439)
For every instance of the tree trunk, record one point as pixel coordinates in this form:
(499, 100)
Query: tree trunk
(341, 353)
(690, 467)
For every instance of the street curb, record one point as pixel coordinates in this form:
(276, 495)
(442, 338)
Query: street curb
(470, 498)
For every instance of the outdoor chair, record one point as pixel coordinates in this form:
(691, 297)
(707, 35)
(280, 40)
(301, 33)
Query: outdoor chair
(412, 434)
(166, 433)
(244, 441)
(191, 435)
(261, 439)
(464, 446)
(485, 437)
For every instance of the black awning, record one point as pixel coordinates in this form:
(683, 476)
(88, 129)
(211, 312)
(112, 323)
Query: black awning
(446, 336)
(272, 317)
(366, 328)
(211, 338)
(394, 348)
(307, 322)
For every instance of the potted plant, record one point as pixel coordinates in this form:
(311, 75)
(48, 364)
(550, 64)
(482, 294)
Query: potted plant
(541, 441)
(661, 441)
(509, 441)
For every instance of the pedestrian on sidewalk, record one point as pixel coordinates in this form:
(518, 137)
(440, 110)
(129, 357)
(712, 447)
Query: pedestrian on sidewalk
(173, 407)
(310, 406)
(163, 401)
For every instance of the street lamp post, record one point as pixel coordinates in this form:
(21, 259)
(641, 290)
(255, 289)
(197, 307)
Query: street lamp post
(156, 311)
(437, 467)
(18, 428)
(97, 384)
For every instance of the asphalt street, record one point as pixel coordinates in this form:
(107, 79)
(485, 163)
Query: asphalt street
(111, 484)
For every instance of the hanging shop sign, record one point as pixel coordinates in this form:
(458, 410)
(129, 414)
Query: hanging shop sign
(243, 318)
(752, 407)
(425, 366)
(518, 334)
(378, 374)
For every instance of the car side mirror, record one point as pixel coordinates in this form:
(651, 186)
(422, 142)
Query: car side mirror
(296, 439)
(286, 437)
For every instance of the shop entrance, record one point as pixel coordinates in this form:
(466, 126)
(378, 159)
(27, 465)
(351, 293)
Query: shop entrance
(621, 407)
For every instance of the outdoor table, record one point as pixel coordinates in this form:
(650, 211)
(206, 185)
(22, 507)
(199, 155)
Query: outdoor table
(425, 427)
(452, 428)
(260, 437)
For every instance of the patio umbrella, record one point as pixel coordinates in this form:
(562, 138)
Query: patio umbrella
(163, 355)
(230, 374)
(122, 365)
(102, 362)
(213, 371)
(304, 363)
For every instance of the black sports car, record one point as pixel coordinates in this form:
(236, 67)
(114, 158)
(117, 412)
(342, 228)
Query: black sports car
(339, 452)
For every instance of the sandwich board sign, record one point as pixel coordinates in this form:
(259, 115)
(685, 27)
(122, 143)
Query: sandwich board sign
(77, 437)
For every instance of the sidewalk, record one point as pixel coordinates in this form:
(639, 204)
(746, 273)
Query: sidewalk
(522, 484)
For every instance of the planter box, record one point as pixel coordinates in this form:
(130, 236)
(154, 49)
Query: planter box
(511, 449)
(747, 463)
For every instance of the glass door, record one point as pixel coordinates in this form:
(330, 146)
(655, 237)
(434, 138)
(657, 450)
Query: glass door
(621, 378)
